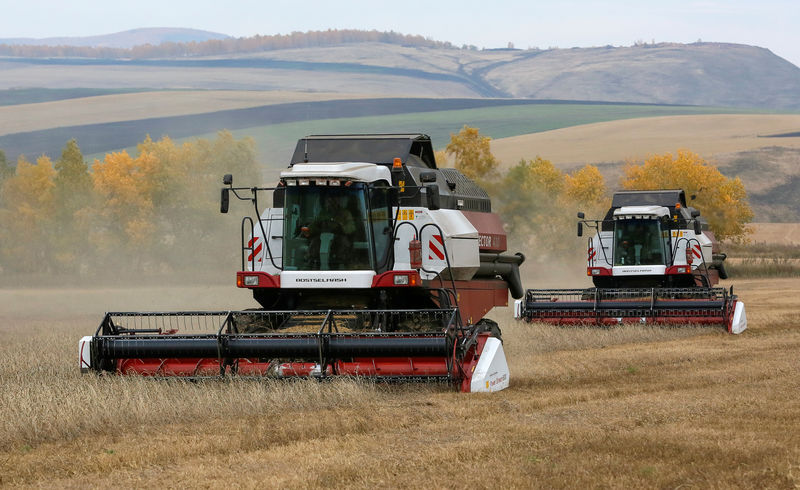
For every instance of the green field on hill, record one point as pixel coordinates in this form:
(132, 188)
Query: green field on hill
(275, 142)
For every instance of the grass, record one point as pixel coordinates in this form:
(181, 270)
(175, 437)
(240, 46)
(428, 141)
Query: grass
(763, 267)
(765, 259)
(622, 407)
(765, 249)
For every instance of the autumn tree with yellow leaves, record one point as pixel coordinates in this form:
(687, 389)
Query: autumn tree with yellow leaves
(153, 210)
(473, 155)
(26, 210)
(536, 201)
(721, 200)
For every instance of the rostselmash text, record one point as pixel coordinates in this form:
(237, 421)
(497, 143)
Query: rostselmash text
(321, 279)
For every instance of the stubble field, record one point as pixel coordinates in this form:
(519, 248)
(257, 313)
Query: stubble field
(621, 407)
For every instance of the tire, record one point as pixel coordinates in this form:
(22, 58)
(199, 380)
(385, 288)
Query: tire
(491, 326)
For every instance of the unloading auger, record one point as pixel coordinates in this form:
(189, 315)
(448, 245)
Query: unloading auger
(370, 262)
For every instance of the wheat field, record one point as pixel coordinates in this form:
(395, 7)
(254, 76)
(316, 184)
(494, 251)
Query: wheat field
(636, 139)
(620, 407)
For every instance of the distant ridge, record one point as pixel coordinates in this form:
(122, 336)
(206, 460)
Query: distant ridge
(396, 64)
(124, 39)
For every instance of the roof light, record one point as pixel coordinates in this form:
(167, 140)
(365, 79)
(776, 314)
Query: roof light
(291, 182)
(303, 181)
(334, 183)
(321, 182)
(677, 205)
(397, 163)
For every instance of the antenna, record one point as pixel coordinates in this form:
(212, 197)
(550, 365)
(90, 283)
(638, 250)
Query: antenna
(305, 155)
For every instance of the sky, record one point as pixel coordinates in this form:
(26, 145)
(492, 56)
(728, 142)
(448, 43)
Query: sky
(771, 24)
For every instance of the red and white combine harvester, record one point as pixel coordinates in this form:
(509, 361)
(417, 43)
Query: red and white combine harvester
(370, 261)
(651, 259)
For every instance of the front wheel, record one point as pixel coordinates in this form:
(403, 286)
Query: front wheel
(491, 326)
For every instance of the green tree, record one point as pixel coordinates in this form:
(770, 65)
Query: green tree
(528, 196)
(74, 200)
(6, 170)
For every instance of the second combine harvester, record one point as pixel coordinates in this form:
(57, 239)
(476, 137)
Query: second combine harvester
(368, 260)
(652, 259)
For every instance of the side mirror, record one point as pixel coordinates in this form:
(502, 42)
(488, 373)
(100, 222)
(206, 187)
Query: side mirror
(227, 179)
(432, 193)
(697, 228)
(224, 201)
(580, 228)
(581, 215)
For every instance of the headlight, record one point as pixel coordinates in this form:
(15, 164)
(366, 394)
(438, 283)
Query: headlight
(401, 280)
(251, 280)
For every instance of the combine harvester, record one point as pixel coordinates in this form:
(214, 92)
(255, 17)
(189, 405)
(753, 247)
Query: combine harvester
(370, 262)
(652, 259)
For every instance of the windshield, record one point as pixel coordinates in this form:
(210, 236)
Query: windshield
(325, 228)
(638, 242)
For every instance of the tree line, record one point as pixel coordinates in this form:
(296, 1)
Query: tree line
(538, 202)
(252, 44)
(155, 210)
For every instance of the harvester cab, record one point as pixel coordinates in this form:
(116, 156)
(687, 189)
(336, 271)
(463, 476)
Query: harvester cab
(368, 261)
(651, 259)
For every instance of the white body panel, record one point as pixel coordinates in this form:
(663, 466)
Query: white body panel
(85, 353)
(363, 172)
(326, 279)
(272, 222)
(457, 236)
(739, 322)
(491, 372)
(643, 211)
(518, 308)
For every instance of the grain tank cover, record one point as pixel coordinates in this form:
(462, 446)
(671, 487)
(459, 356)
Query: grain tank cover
(415, 150)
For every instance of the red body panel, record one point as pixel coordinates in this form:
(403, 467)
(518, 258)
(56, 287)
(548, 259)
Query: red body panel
(491, 235)
(476, 297)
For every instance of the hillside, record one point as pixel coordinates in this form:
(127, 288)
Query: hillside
(124, 39)
(710, 74)
(740, 145)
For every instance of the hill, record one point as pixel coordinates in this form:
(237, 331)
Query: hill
(749, 146)
(124, 39)
(106, 123)
(709, 74)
